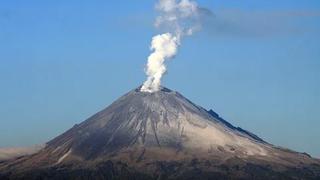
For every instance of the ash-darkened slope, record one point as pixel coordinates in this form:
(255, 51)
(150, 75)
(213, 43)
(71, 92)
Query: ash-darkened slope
(159, 135)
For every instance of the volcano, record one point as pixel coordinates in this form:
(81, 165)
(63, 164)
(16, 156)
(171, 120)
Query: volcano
(160, 135)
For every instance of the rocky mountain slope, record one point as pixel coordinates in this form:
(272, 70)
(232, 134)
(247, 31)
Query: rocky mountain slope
(160, 135)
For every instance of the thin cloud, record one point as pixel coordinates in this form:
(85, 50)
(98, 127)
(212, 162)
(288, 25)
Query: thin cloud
(240, 23)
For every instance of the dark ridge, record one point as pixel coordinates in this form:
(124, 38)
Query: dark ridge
(162, 89)
(216, 116)
(306, 154)
(138, 89)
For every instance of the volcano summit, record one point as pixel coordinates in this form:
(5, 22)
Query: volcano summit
(160, 135)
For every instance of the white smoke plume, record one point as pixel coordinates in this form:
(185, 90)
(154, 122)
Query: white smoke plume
(178, 18)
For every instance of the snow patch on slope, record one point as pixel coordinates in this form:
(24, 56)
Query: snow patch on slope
(64, 156)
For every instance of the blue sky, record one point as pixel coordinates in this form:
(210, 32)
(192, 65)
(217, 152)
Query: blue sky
(256, 63)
